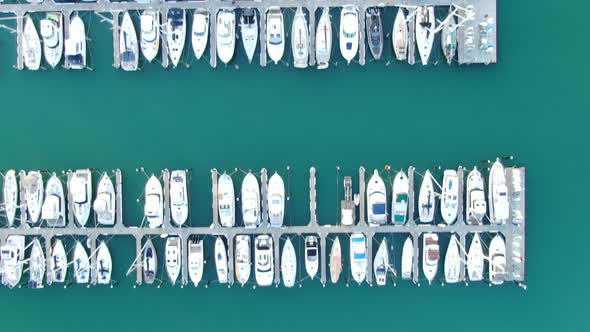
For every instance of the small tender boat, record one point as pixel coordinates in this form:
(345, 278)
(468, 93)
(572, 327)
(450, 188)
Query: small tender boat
(425, 25)
(195, 260)
(221, 261)
(374, 32)
(12, 255)
(80, 188)
(475, 198)
(323, 40)
(264, 260)
(498, 194)
(497, 260)
(226, 201)
(475, 259)
(154, 202)
(347, 206)
(128, 48)
(426, 199)
(452, 261)
(349, 28)
(36, 265)
(75, 45)
(430, 256)
(200, 33)
(58, 265)
(408, 259)
(226, 35)
(31, 45)
(376, 200)
(275, 34)
(104, 264)
(450, 196)
(178, 197)
(250, 201)
(52, 35)
(300, 40)
(54, 206)
(399, 198)
(399, 35)
(176, 32)
(249, 32)
(242, 258)
(150, 262)
(276, 200)
(311, 255)
(335, 261)
(173, 259)
(448, 37)
(358, 257)
(289, 264)
(104, 204)
(381, 264)
(150, 34)
(33, 185)
(10, 196)
(81, 264)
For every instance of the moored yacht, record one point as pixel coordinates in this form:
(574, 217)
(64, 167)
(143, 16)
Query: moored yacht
(498, 194)
(430, 256)
(12, 256)
(250, 201)
(349, 26)
(449, 204)
(242, 258)
(36, 265)
(104, 204)
(275, 34)
(176, 32)
(311, 255)
(52, 35)
(150, 262)
(408, 259)
(358, 257)
(276, 200)
(31, 45)
(249, 32)
(226, 35)
(104, 264)
(452, 261)
(323, 40)
(347, 205)
(288, 264)
(448, 37)
(497, 260)
(200, 32)
(475, 205)
(54, 205)
(81, 264)
(128, 48)
(399, 35)
(154, 202)
(376, 200)
(300, 40)
(80, 192)
(33, 187)
(195, 260)
(374, 32)
(264, 260)
(10, 196)
(425, 25)
(335, 261)
(221, 261)
(58, 264)
(381, 264)
(150, 34)
(173, 258)
(226, 201)
(178, 197)
(426, 199)
(75, 45)
(399, 198)
(475, 259)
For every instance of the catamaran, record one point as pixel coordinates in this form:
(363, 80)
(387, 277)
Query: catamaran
(33, 186)
(226, 201)
(36, 265)
(150, 34)
(475, 199)
(104, 204)
(75, 45)
(249, 32)
(288, 264)
(128, 48)
(426, 199)
(374, 28)
(430, 256)
(381, 264)
(195, 260)
(399, 35)
(242, 258)
(80, 188)
(31, 45)
(276, 200)
(154, 202)
(176, 32)
(149, 262)
(54, 206)
(399, 199)
(226, 35)
(200, 33)
(250, 201)
(376, 200)
(12, 256)
(349, 26)
(53, 37)
(452, 261)
(335, 261)
(10, 196)
(264, 260)
(58, 264)
(300, 40)
(449, 204)
(425, 25)
(323, 40)
(275, 34)
(498, 194)
(173, 258)
(178, 197)
(311, 255)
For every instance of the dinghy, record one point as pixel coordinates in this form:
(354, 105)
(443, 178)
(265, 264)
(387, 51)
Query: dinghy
(226, 200)
(221, 261)
(374, 28)
(475, 259)
(104, 204)
(426, 199)
(323, 40)
(475, 198)
(335, 261)
(425, 25)
(399, 198)
(226, 35)
(33, 186)
(195, 260)
(200, 32)
(448, 37)
(10, 196)
(150, 263)
(154, 202)
(36, 265)
(242, 258)
(250, 201)
(249, 32)
(275, 34)
(104, 264)
(173, 259)
(449, 204)
(376, 200)
(58, 265)
(497, 260)
(408, 259)
(54, 206)
(498, 195)
(430, 256)
(80, 188)
(276, 200)
(12, 256)
(300, 40)
(381, 264)
(150, 34)
(178, 197)
(358, 257)
(81, 264)
(311, 255)
(52, 35)
(176, 33)
(349, 30)
(128, 48)
(264, 260)
(289, 264)
(75, 45)
(452, 261)
(399, 35)
(31, 45)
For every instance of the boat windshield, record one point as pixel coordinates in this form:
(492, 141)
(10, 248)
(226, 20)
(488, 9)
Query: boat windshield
(378, 208)
(275, 39)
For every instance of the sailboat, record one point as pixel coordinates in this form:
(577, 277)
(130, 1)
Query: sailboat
(311, 255)
(36, 265)
(104, 204)
(249, 32)
(425, 25)
(154, 202)
(250, 201)
(104, 264)
(226, 35)
(381, 264)
(178, 197)
(374, 28)
(426, 199)
(54, 206)
(80, 188)
(58, 265)
(288, 264)
(300, 40)
(10, 196)
(31, 45)
(52, 35)
(475, 259)
(200, 33)
(430, 256)
(475, 199)
(399, 199)
(176, 32)
(226, 201)
(349, 26)
(275, 34)
(173, 259)
(264, 260)
(75, 45)
(81, 264)
(448, 37)
(408, 259)
(335, 261)
(376, 200)
(195, 260)
(33, 186)
(242, 258)
(150, 34)
(12, 255)
(128, 48)
(449, 204)
(452, 261)
(221, 261)
(498, 194)
(497, 260)
(276, 200)
(399, 35)
(323, 40)
(149, 262)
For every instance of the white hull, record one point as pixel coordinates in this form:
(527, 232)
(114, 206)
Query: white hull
(13, 255)
(399, 35)
(226, 201)
(173, 258)
(31, 45)
(475, 203)
(178, 197)
(200, 33)
(128, 46)
(242, 259)
(104, 205)
(358, 257)
(34, 195)
(81, 264)
(335, 261)
(250, 201)
(449, 204)
(376, 200)
(10, 196)
(226, 35)
(221, 261)
(276, 200)
(311, 256)
(399, 199)
(288, 264)
(176, 32)
(150, 262)
(59, 262)
(452, 261)
(80, 188)
(54, 205)
(195, 261)
(497, 260)
(75, 45)
(104, 264)
(275, 34)
(323, 40)
(430, 256)
(449, 38)
(36, 265)
(349, 32)
(425, 24)
(150, 34)
(381, 264)
(154, 202)
(249, 33)
(426, 199)
(52, 35)
(408, 259)
(475, 259)
(300, 40)
(498, 194)
(264, 260)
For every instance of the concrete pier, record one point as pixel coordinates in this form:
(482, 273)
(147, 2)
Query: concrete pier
(213, 38)
(164, 36)
(19, 41)
(262, 33)
(362, 34)
(116, 51)
(312, 25)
